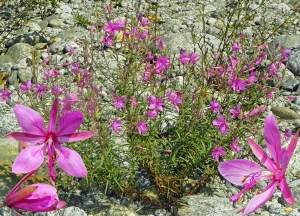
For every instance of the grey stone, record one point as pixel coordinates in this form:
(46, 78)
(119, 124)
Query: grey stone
(118, 210)
(56, 23)
(282, 8)
(20, 51)
(294, 213)
(209, 206)
(275, 208)
(57, 46)
(286, 41)
(30, 38)
(71, 211)
(43, 24)
(291, 84)
(294, 60)
(5, 211)
(63, 9)
(33, 26)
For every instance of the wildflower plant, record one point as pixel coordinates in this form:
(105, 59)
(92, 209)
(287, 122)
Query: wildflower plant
(168, 117)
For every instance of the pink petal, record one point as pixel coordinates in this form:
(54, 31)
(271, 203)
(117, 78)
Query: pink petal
(69, 123)
(29, 159)
(53, 116)
(29, 120)
(25, 137)
(272, 137)
(71, 162)
(286, 192)
(260, 199)
(292, 145)
(235, 171)
(261, 155)
(76, 136)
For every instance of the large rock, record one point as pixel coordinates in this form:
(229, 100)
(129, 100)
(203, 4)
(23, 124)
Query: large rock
(286, 41)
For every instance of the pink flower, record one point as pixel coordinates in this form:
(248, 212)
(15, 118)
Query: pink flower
(149, 56)
(115, 125)
(161, 44)
(45, 61)
(192, 58)
(217, 152)
(57, 90)
(291, 97)
(110, 27)
(235, 113)
(27, 87)
(222, 124)
(68, 102)
(269, 94)
(91, 107)
(119, 102)
(237, 84)
(5, 95)
(234, 146)
(236, 47)
(133, 102)
(168, 151)
(92, 29)
(147, 74)
(247, 173)
(142, 127)
(288, 134)
(71, 49)
(175, 99)
(161, 64)
(36, 197)
(156, 103)
(141, 36)
(48, 142)
(108, 41)
(75, 68)
(48, 74)
(145, 22)
(252, 78)
(215, 106)
(184, 59)
(48, 50)
(152, 114)
(40, 89)
(284, 54)
(273, 70)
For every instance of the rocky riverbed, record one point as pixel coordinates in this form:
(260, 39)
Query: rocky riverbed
(62, 27)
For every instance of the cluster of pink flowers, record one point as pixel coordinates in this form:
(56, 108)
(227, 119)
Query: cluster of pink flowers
(190, 58)
(139, 32)
(175, 99)
(40, 89)
(156, 104)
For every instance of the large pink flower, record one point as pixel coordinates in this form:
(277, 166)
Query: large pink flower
(247, 173)
(48, 142)
(36, 197)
